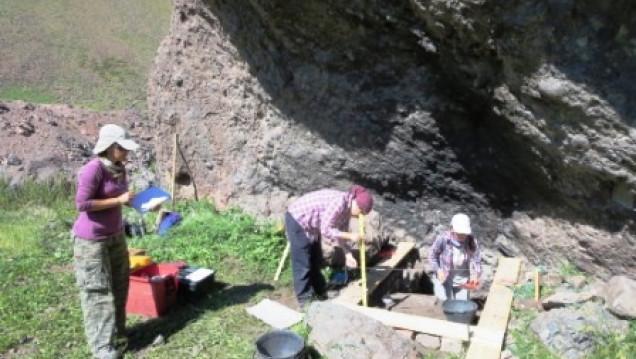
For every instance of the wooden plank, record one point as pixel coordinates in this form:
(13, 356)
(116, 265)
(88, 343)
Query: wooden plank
(497, 308)
(426, 325)
(375, 275)
(403, 248)
(494, 318)
(486, 339)
(507, 271)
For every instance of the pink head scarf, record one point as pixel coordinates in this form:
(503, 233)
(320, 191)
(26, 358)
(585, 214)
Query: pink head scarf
(362, 197)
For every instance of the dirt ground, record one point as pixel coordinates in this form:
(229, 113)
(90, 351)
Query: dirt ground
(286, 297)
(40, 141)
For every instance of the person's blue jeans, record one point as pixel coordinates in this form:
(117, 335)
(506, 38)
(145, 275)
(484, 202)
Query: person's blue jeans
(446, 290)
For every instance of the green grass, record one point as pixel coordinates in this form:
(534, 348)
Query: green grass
(28, 94)
(92, 54)
(528, 346)
(40, 316)
(618, 346)
(568, 269)
(39, 309)
(28, 211)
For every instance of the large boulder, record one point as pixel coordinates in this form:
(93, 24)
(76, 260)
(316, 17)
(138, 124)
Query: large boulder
(572, 333)
(341, 333)
(516, 112)
(620, 292)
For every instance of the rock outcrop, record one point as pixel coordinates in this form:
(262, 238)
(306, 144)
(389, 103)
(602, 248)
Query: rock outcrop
(516, 112)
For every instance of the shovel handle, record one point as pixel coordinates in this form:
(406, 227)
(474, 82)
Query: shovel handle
(282, 262)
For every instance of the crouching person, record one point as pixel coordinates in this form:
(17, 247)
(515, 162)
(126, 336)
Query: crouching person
(376, 238)
(321, 215)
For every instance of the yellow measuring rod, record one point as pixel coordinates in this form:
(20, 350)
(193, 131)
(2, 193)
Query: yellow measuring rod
(363, 260)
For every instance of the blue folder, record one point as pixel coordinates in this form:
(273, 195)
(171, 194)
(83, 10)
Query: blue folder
(151, 195)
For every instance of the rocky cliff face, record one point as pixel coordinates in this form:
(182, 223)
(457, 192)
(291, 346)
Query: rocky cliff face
(516, 112)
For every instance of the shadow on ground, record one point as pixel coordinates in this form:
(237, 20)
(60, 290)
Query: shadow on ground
(187, 309)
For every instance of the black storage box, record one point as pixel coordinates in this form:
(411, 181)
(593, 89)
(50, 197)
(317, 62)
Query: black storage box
(195, 280)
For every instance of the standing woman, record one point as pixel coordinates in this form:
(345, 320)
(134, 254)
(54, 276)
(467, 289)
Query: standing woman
(321, 215)
(100, 250)
(456, 259)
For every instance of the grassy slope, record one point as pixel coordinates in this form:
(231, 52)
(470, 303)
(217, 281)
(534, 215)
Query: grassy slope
(88, 53)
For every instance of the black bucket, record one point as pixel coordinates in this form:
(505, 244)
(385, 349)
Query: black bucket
(460, 311)
(280, 344)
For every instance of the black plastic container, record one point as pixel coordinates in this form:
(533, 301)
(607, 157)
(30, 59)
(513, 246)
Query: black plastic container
(459, 311)
(280, 344)
(189, 287)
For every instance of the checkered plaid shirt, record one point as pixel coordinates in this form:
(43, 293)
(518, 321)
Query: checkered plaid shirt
(324, 212)
(441, 255)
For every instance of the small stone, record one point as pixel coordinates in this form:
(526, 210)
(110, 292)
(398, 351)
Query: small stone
(551, 280)
(449, 345)
(427, 45)
(580, 141)
(576, 281)
(428, 341)
(408, 334)
(26, 129)
(552, 87)
(13, 160)
(159, 340)
(399, 233)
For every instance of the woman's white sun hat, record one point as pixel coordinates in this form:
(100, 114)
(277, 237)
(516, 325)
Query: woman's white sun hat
(461, 224)
(110, 134)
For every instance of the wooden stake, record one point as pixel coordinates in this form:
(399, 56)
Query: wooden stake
(282, 262)
(363, 260)
(536, 285)
(174, 168)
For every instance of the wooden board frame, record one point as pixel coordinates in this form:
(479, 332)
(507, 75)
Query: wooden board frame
(496, 310)
(486, 338)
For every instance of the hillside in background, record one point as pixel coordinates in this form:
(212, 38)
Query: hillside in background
(87, 53)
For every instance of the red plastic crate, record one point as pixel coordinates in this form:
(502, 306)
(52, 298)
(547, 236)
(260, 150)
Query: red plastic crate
(153, 290)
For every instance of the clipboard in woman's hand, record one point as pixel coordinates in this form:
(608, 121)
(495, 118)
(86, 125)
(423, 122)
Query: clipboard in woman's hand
(149, 199)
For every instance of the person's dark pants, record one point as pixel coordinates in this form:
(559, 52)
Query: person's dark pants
(307, 262)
